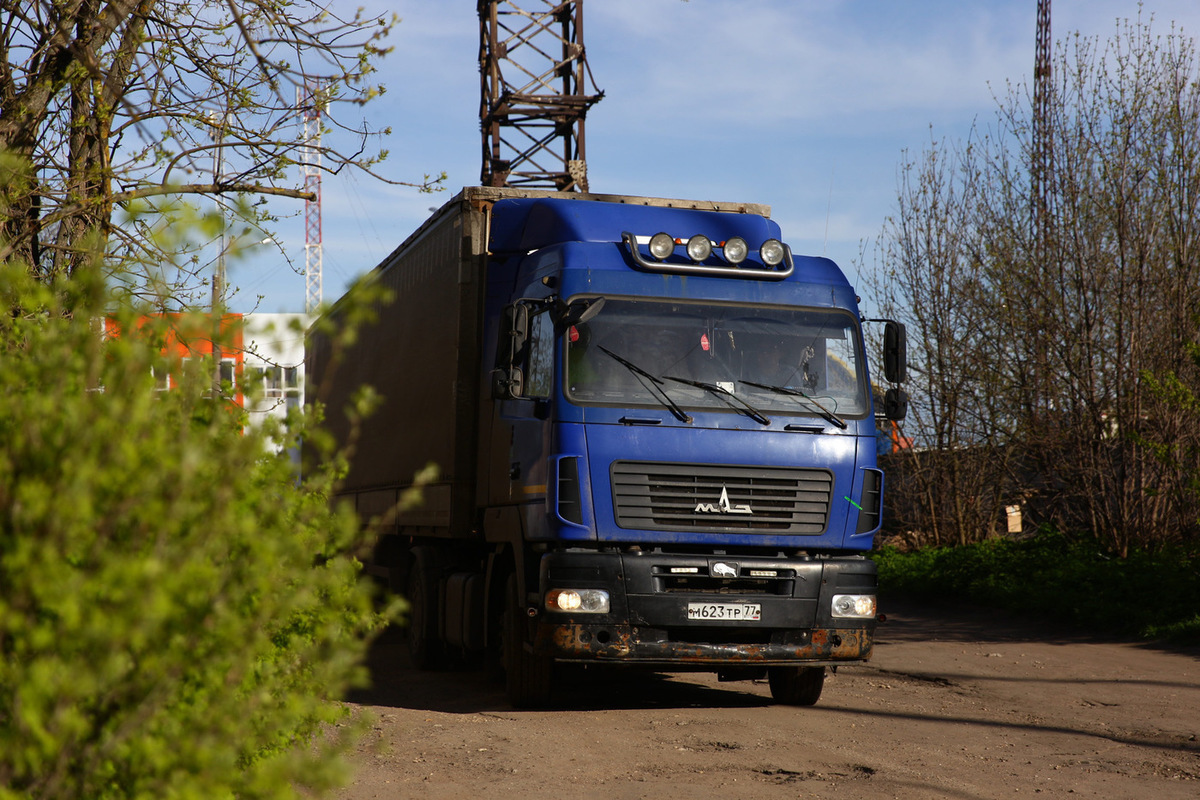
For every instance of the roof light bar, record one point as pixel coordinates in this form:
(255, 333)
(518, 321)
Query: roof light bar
(775, 256)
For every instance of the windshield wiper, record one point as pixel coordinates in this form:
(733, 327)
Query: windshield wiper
(822, 410)
(655, 385)
(730, 399)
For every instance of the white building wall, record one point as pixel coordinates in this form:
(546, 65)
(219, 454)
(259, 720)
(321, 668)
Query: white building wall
(274, 364)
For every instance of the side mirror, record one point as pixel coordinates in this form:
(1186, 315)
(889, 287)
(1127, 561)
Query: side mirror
(508, 378)
(895, 404)
(895, 353)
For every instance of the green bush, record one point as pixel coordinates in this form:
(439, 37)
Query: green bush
(1151, 595)
(178, 616)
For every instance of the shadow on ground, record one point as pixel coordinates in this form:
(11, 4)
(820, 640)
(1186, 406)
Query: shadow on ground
(394, 683)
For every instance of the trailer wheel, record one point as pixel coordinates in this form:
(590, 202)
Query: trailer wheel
(424, 646)
(796, 686)
(529, 678)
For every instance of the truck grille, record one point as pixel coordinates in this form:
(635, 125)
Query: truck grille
(688, 497)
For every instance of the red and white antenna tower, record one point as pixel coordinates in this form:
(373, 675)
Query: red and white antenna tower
(310, 167)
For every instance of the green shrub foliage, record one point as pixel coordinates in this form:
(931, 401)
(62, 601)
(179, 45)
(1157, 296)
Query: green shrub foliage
(178, 614)
(1053, 578)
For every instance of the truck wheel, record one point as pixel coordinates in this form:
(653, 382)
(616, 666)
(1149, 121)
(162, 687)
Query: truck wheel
(529, 678)
(796, 686)
(424, 646)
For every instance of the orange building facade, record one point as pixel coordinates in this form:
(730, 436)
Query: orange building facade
(189, 342)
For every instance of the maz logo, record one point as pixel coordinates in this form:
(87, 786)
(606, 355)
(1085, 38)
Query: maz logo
(723, 506)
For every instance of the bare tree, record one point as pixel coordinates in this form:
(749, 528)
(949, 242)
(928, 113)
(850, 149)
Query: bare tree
(1044, 336)
(110, 105)
(950, 482)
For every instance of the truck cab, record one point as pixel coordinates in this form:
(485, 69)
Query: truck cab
(693, 443)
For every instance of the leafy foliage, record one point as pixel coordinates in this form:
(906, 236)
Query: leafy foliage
(1081, 583)
(179, 615)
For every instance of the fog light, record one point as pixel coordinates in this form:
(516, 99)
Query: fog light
(699, 247)
(735, 250)
(587, 601)
(771, 252)
(661, 246)
(855, 606)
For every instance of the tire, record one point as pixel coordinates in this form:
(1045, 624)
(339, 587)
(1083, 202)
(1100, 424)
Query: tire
(796, 686)
(425, 647)
(529, 678)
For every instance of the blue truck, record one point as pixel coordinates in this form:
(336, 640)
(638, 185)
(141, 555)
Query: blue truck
(655, 436)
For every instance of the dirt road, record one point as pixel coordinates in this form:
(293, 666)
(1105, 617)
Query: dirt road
(951, 706)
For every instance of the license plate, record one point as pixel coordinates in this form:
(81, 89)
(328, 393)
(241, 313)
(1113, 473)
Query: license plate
(726, 611)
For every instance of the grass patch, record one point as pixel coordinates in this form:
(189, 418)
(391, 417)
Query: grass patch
(1147, 595)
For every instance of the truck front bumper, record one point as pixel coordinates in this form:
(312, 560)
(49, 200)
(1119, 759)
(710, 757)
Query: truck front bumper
(628, 644)
(649, 623)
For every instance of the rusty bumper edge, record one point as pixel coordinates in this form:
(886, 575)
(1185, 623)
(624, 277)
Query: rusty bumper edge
(619, 644)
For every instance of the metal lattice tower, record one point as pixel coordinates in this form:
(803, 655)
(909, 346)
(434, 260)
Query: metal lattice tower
(310, 167)
(1042, 170)
(532, 68)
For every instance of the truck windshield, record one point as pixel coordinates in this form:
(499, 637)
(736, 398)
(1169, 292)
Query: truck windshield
(773, 359)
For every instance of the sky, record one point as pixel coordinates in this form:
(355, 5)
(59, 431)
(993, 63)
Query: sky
(808, 106)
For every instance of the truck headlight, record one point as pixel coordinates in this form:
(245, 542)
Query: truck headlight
(699, 247)
(771, 252)
(854, 606)
(661, 245)
(586, 601)
(735, 250)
